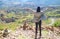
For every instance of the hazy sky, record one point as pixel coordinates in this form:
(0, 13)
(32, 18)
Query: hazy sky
(37, 2)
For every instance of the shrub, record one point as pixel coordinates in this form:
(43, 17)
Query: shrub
(57, 23)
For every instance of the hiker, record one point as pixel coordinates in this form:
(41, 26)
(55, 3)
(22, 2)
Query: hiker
(38, 21)
(38, 17)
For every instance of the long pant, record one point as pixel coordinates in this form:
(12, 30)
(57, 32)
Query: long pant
(38, 24)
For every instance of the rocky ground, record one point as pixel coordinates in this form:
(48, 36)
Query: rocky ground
(30, 34)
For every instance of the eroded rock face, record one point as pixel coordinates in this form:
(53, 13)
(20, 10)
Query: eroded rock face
(8, 20)
(5, 33)
(27, 33)
(27, 27)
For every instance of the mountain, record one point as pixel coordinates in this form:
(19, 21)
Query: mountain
(30, 2)
(46, 2)
(17, 4)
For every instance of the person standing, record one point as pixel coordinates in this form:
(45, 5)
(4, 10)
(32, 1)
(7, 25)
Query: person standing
(38, 17)
(38, 21)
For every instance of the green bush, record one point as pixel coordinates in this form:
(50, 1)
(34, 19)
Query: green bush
(48, 21)
(57, 23)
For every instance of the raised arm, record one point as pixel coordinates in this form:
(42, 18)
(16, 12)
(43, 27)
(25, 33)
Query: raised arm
(44, 10)
(29, 9)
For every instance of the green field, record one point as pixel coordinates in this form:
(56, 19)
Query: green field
(23, 17)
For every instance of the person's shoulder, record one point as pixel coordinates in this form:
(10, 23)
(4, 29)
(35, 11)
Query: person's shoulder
(39, 12)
